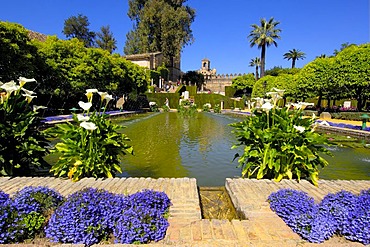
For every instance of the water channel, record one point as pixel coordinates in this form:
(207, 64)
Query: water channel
(168, 145)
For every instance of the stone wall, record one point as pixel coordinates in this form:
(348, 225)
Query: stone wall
(218, 83)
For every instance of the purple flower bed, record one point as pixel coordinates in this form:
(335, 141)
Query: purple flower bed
(342, 213)
(24, 215)
(347, 126)
(85, 217)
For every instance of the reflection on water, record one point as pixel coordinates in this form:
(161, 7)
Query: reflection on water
(168, 145)
(347, 163)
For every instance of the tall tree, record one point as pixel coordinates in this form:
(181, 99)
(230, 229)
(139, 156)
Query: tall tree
(294, 55)
(78, 27)
(159, 26)
(255, 62)
(105, 39)
(263, 36)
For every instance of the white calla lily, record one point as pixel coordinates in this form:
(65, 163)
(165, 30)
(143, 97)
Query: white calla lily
(300, 129)
(83, 118)
(10, 87)
(267, 106)
(88, 125)
(29, 97)
(108, 98)
(89, 93)
(102, 95)
(85, 106)
(94, 90)
(35, 108)
(28, 91)
(279, 91)
(24, 80)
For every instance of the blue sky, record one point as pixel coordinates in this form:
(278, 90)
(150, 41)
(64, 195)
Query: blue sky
(221, 27)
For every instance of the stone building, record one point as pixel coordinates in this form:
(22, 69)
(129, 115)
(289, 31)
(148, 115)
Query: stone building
(153, 61)
(213, 81)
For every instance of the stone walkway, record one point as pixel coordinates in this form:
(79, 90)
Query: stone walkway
(260, 226)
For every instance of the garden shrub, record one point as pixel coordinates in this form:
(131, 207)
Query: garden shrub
(91, 146)
(22, 144)
(342, 213)
(206, 107)
(278, 143)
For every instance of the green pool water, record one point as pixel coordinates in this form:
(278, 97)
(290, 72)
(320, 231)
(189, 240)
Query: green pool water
(167, 145)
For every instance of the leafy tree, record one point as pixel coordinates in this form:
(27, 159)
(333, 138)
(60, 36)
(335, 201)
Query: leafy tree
(160, 26)
(255, 62)
(294, 55)
(193, 77)
(78, 27)
(353, 72)
(318, 79)
(105, 39)
(18, 54)
(244, 82)
(263, 36)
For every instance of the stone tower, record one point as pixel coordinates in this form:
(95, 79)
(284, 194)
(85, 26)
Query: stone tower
(206, 69)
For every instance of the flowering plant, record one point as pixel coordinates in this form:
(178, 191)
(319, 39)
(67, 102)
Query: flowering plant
(341, 213)
(137, 218)
(92, 146)
(25, 215)
(279, 143)
(22, 145)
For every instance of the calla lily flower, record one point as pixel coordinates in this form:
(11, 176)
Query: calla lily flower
(300, 129)
(303, 105)
(85, 106)
(267, 106)
(10, 87)
(279, 91)
(108, 98)
(102, 95)
(89, 93)
(88, 125)
(83, 118)
(28, 91)
(29, 97)
(94, 90)
(36, 107)
(23, 80)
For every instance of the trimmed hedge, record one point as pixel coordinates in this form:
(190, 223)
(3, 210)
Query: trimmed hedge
(200, 100)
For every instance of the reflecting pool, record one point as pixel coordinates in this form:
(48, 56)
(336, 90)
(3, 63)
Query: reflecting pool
(168, 145)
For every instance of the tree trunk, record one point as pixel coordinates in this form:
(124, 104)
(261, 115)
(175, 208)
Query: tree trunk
(360, 101)
(293, 63)
(263, 55)
(319, 101)
(256, 73)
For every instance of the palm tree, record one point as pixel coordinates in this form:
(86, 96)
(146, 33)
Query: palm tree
(294, 55)
(255, 62)
(263, 36)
